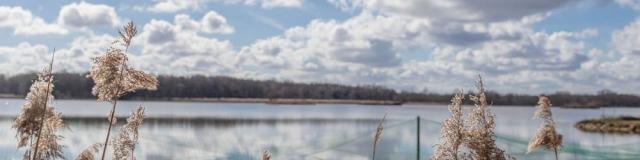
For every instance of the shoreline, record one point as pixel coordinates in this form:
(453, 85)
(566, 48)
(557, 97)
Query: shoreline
(309, 101)
(619, 125)
(294, 101)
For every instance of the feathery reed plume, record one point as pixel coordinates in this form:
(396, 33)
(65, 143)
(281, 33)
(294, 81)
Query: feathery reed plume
(37, 123)
(546, 135)
(378, 135)
(452, 132)
(113, 78)
(479, 131)
(124, 145)
(266, 155)
(87, 154)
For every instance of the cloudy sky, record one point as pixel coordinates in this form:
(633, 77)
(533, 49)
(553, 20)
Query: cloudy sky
(536, 46)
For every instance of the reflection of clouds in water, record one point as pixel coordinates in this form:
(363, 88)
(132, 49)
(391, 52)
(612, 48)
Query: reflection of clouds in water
(205, 130)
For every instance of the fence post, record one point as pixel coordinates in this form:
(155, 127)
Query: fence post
(418, 139)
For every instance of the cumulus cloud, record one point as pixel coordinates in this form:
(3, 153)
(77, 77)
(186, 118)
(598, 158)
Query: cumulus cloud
(634, 4)
(179, 46)
(330, 46)
(212, 22)
(83, 14)
(178, 5)
(174, 5)
(456, 10)
(23, 22)
(24, 57)
(160, 31)
(627, 39)
(440, 45)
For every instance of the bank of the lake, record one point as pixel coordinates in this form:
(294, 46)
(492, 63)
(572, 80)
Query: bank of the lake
(621, 125)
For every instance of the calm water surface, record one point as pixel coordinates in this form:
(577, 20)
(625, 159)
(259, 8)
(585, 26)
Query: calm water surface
(180, 130)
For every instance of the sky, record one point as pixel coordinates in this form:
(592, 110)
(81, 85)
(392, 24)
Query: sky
(527, 47)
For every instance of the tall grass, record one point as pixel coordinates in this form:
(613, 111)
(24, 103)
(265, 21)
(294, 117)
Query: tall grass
(125, 144)
(475, 132)
(452, 132)
(37, 123)
(113, 77)
(377, 136)
(546, 135)
(266, 155)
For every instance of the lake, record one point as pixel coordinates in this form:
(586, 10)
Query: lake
(239, 131)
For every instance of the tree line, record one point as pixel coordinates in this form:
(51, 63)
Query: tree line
(77, 86)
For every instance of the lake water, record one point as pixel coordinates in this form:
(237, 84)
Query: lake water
(181, 130)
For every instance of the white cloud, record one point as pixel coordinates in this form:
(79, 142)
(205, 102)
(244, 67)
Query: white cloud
(387, 43)
(275, 3)
(83, 14)
(177, 48)
(634, 4)
(456, 10)
(24, 22)
(627, 39)
(23, 58)
(331, 46)
(158, 32)
(174, 5)
(179, 5)
(212, 22)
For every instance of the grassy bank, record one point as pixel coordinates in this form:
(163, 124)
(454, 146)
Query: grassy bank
(624, 125)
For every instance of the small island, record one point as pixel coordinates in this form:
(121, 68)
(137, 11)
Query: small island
(621, 125)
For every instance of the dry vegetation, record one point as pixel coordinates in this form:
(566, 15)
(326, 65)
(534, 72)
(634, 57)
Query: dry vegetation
(475, 133)
(113, 78)
(546, 136)
(470, 137)
(37, 123)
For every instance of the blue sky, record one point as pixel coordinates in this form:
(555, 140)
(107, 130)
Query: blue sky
(533, 47)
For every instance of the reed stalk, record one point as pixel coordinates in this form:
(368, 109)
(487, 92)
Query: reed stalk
(377, 136)
(46, 100)
(546, 135)
(113, 78)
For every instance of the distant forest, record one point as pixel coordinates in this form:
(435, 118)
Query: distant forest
(77, 86)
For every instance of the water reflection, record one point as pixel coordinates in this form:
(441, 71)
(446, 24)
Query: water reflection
(241, 131)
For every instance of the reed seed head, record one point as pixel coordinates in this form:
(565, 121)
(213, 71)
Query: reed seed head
(452, 132)
(124, 144)
(378, 135)
(127, 33)
(479, 131)
(546, 135)
(87, 154)
(266, 155)
(33, 112)
(113, 78)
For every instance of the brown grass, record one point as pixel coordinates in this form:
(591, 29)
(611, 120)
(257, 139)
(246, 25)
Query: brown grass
(546, 136)
(452, 132)
(37, 123)
(378, 135)
(113, 77)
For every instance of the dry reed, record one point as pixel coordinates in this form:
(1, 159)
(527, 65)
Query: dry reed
(266, 155)
(113, 77)
(124, 145)
(479, 129)
(378, 135)
(37, 123)
(546, 136)
(452, 132)
(87, 154)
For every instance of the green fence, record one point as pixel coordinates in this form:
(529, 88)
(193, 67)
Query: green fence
(400, 142)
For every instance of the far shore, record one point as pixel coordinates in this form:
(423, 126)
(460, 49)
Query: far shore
(308, 101)
(289, 101)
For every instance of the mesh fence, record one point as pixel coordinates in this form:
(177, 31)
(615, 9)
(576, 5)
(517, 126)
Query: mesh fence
(400, 142)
